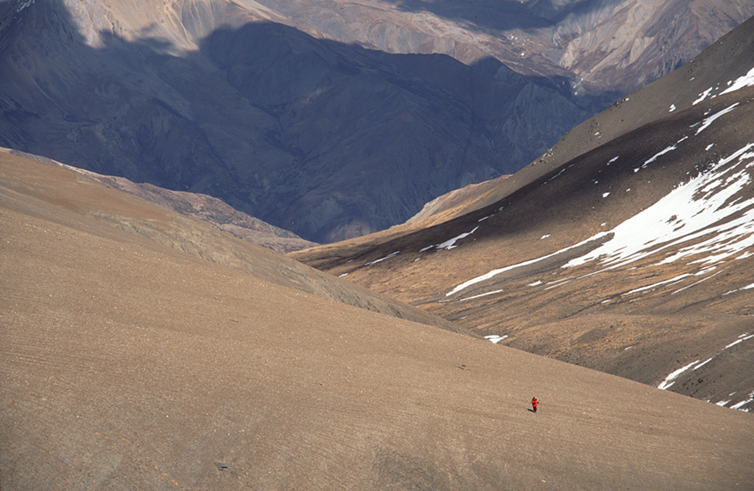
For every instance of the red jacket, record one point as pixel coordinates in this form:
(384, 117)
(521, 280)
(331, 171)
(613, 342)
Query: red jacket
(534, 402)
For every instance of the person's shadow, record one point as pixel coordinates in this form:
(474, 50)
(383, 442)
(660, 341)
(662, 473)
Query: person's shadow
(531, 410)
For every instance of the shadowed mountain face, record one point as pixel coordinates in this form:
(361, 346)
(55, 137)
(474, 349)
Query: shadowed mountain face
(326, 139)
(143, 350)
(280, 110)
(627, 248)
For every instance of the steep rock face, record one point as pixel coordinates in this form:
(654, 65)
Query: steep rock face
(602, 46)
(626, 44)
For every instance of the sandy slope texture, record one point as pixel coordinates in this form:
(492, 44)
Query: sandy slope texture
(116, 212)
(198, 206)
(632, 257)
(127, 364)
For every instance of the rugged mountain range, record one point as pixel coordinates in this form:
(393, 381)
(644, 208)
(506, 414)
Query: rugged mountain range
(602, 46)
(330, 119)
(627, 248)
(140, 349)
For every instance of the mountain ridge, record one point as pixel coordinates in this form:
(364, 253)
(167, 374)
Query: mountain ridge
(276, 113)
(565, 264)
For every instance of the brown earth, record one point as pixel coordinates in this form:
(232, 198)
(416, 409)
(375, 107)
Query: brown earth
(117, 211)
(615, 321)
(128, 363)
(201, 207)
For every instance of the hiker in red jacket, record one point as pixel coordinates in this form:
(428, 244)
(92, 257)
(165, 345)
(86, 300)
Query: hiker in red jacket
(534, 403)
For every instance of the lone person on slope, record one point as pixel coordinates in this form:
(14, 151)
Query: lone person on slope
(534, 403)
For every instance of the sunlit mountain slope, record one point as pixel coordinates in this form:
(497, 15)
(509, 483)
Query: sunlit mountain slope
(634, 257)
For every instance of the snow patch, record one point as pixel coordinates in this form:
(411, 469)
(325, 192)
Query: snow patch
(655, 285)
(670, 379)
(496, 272)
(702, 96)
(712, 118)
(480, 295)
(690, 212)
(451, 243)
(393, 254)
(704, 363)
(494, 338)
(741, 82)
(741, 339)
(743, 403)
(663, 152)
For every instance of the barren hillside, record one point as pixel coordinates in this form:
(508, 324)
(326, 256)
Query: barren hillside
(130, 364)
(631, 255)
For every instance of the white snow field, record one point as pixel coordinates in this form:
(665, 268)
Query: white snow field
(701, 219)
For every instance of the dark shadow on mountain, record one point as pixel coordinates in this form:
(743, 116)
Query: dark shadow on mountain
(495, 15)
(503, 15)
(325, 139)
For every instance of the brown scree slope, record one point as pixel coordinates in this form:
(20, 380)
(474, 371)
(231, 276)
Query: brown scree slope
(130, 364)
